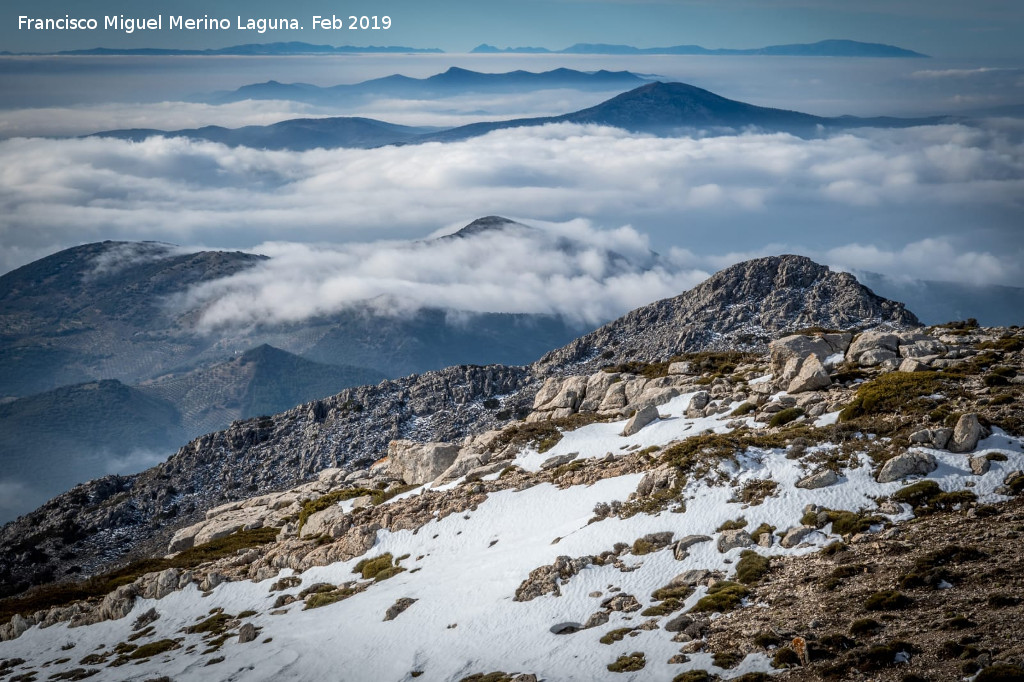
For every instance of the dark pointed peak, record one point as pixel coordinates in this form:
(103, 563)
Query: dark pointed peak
(488, 224)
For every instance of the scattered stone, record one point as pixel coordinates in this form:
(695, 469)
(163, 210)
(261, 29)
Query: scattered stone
(246, 633)
(967, 433)
(980, 465)
(734, 539)
(679, 549)
(812, 376)
(398, 607)
(417, 463)
(907, 464)
(625, 603)
(642, 418)
(819, 479)
(794, 536)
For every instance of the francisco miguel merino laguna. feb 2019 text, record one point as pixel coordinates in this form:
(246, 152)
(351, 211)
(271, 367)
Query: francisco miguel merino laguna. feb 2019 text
(179, 22)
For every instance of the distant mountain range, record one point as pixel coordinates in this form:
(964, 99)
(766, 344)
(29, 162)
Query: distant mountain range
(454, 81)
(257, 49)
(823, 48)
(655, 108)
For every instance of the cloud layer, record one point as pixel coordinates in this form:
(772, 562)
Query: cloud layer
(886, 200)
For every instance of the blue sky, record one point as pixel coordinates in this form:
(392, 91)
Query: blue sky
(946, 28)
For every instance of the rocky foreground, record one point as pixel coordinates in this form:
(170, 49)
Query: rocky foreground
(840, 506)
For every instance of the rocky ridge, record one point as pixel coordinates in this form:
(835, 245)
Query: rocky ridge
(744, 306)
(971, 386)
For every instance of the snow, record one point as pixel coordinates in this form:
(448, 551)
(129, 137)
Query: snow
(469, 566)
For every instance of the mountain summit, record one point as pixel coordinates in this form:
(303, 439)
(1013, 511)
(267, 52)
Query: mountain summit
(741, 307)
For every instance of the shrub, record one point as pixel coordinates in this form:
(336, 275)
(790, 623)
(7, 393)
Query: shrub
(1002, 399)
(756, 491)
(734, 524)
(721, 597)
(628, 664)
(670, 605)
(930, 569)
(865, 626)
(999, 600)
(766, 640)
(1006, 344)
(751, 567)
(319, 599)
(613, 636)
(926, 497)
(887, 600)
(785, 416)
(543, 435)
(153, 648)
(371, 568)
(678, 592)
(727, 659)
(893, 393)
(693, 676)
(744, 408)
(1001, 672)
(785, 658)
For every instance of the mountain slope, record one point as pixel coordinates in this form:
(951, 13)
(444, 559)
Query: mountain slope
(753, 300)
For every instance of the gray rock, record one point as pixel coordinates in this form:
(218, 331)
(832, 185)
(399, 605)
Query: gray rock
(417, 463)
(246, 633)
(733, 539)
(911, 365)
(980, 465)
(486, 470)
(794, 536)
(654, 396)
(680, 547)
(967, 433)
(819, 479)
(681, 368)
(811, 377)
(940, 437)
(873, 358)
(798, 347)
(597, 386)
(691, 578)
(398, 607)
(873, 341)
(697, 404)
(642, 418)
(558, 460)
(332, 522)
(626, 603)
(907, 464)
(597, 618)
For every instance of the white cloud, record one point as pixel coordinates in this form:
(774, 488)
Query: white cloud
(709, 195)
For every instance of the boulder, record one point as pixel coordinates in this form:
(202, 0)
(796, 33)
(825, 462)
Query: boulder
(697, 403)
(547, 392)
(873, 358)
(417, 463)
(692, 578)
(570, 394)
(332, 476)
(681, 368)
(246, 633)
(922, 347)
(794, 536)
(872, 341)
(798, 347)
(907, 464)
(485, 470)
(940, 437)
(597, 386)
(653, 396)
(118, 603)
(398, 607)
(184, 538)
(812, 376)
(466, 461)
(967, 433)
(558, 460)
(614, 398)
(980, 465)
(644, 416)
(911, 365)
(819, 479)
(331, 522)
(679, 550)
(734, 539)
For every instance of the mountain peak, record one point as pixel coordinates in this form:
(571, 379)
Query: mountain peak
(487, 224)
(743, 307)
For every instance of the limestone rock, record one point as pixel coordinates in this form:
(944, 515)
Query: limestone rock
(873, 358)
(679, 550)
(681, 368)
(794, 536)
(332, 522)
(911, 365)
(418, 463)
(811, 376)
(733, 539)
(967, 433)
(642, 418)
(558, 460)
(873, 341)
(654, 396)
(980, 465)
(691, 578)
(799, 347)
(597, 386)
(398, 607)
(819, 479)
(907, 464)
(697, 404)
(246, 633)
